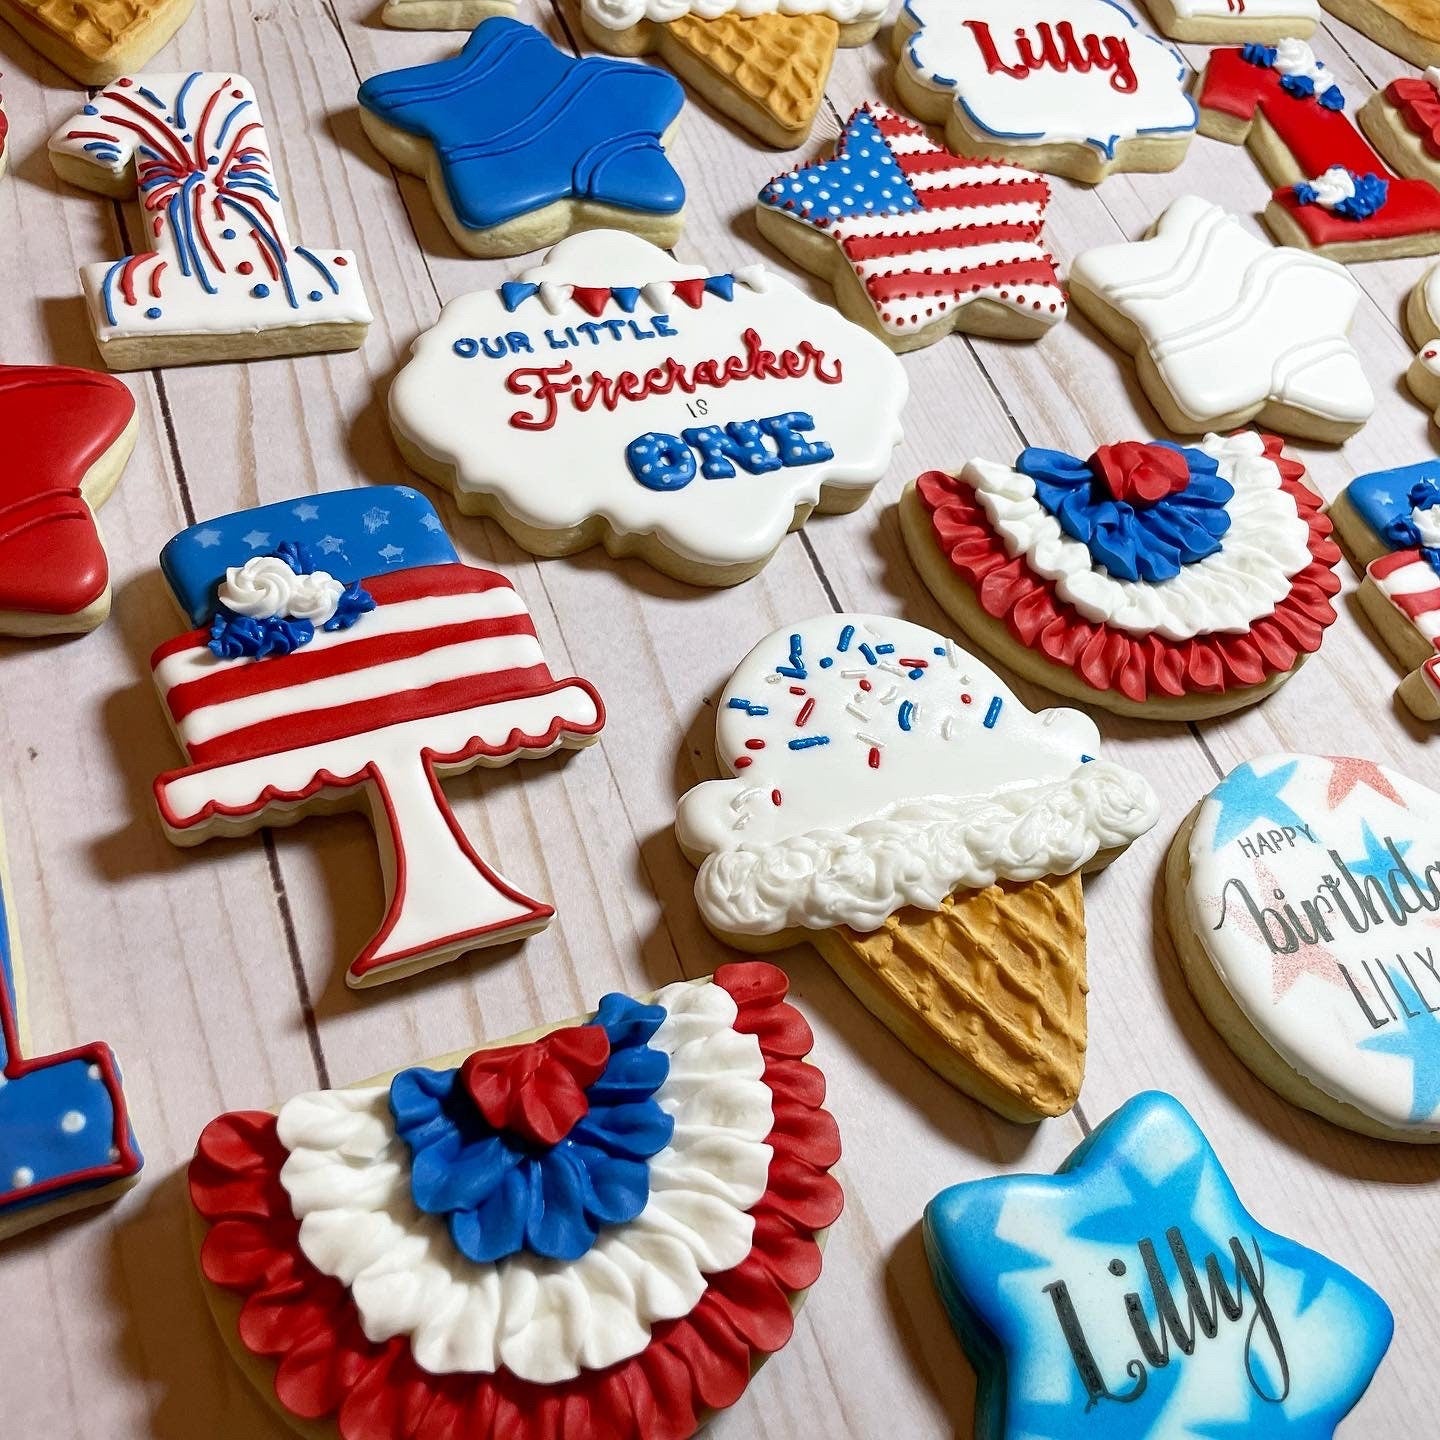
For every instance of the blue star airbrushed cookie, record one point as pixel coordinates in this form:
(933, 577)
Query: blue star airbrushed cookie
(522, 144)
(1132, 1296)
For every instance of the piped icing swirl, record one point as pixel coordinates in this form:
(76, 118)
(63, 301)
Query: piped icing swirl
(622, 14)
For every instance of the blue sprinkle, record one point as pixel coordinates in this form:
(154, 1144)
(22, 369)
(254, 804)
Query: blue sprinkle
(153, 313)
(916, 674)
(748, 708)
(868, 653)
(807, 741)
(846, 636)
(993, 713)
(884, 649)
(791, 672)
(260, 292)
(827, 662)
(939, 650)
(907, 712)
(466, 348)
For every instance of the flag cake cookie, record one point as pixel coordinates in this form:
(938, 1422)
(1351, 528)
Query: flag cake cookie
(918, 242)
(1302, 897)
(523, 144)
(66, 1142)
(1133, 1295)
(346, 658)
(598, 1230)
(1075, 87)
(889, 801)
(612, 395)
(1158, 580)
(1217, 22)
(67, 435)
(218, 276)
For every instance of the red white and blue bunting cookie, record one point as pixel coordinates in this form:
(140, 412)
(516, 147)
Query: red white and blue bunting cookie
(1150, 578)
(599, 1233)
(918, 241)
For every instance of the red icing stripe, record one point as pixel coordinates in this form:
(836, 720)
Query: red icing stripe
(1387, 565)
(870, 247)
(1112, 659)
(1009, 273)
(1419, 105)
(325, 1367)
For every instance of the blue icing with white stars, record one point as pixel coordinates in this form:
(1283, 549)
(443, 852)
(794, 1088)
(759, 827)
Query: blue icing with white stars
(864, 178)
(518, 125)
(1132, 1296)
(352, 535)
(1385, 498)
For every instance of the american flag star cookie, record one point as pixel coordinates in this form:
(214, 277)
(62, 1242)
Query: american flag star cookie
(917, 241)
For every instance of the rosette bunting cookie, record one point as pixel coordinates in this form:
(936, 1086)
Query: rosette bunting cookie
(888, 800)
(344, 657)
(1151, 578)
(599, 1230)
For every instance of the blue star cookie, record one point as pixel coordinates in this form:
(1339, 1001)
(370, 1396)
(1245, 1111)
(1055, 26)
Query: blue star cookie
(526, 137)
(1132, 1296)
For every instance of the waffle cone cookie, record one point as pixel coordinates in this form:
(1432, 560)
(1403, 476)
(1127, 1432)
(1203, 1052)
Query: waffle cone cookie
(765, 68)
(97, 41)
(891, 802)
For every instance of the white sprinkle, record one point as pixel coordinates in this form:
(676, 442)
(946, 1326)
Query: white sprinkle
(72, 1122)
(946, 726)
(1048, 717)
(853, 709)
(853, 674)
(965, 679)
(22, 1177)
(890, 695)
(745, 796)
(894, 669)
(869, 740)
(773, 679)
(950, 653)
(742, 820)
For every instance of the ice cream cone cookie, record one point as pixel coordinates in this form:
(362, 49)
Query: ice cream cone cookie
(1408, 27)
(614, 396)
(1133, 1295)
(1335, 194)
(1403, 123)
(67, 435)
(523, 144)
(889, 801)
(916, 241)
(1226, 329)
(1302, 895)
(97, 41)
(764, 63)
(218, 277)
(1220, 22)
(600, 1229)
(344, 657)
(1166, 581)
(1075, 87)
(1422, 321)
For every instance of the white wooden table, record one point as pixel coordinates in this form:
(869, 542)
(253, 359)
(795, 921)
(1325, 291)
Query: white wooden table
(217, 973)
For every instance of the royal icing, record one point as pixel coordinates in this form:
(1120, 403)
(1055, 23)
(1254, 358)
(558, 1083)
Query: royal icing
(614, 383)
(219, 258)
(1068, 72)
(1390, 502)
(1417, 102)
(653, 1177)
(57, 423)
(1350, 195)
(874, 765)
(1133, 1295)
(622, 14)
(64, 1129)
(517, 125)
(429, 667)
(1241, 11)
(1155, 570)
(926, 232)
(1231, 324)
(1313, 883)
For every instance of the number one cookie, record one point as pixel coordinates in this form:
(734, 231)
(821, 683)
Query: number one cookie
(345, 657)
(219, 277)
(65, 1138)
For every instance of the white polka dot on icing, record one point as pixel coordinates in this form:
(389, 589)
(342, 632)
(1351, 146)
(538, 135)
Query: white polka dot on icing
(22, 1177)
(72, 1122)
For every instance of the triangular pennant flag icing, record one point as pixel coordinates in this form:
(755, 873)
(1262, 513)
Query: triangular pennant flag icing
(600, 1229)
(345, 655)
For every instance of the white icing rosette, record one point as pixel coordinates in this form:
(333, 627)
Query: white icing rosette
(266, 587)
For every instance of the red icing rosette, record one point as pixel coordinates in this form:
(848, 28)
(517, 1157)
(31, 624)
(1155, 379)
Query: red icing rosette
(1140, 667)
(325, 1367)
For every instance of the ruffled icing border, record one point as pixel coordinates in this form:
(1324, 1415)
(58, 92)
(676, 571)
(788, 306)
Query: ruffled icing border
(307, 1323)
(1107, 658)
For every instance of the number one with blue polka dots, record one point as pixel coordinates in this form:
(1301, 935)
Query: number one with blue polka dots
(65, 1137)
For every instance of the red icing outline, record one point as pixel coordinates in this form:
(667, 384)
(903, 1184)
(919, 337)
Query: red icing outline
(1317, 138)
(1107, 658)
(306, 1322)
(1419, 105)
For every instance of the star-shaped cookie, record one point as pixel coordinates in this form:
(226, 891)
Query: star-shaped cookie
(1133, 1296)
(523, 144)
(67, 435)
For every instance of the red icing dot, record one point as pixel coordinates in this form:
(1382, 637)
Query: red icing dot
(245, 267)
(341, 260)
(125, 83)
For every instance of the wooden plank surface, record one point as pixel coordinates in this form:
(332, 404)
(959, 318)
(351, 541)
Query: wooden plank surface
(217, 973)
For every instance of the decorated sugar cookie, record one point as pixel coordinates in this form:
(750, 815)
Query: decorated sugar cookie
(1301, 894)
(1336, 195)
(97, 41)
(1403, 123)
(1219, 21)
(888, 800)
(4, 137)
(1132, 1295)
(596, 1230)
(1154, 579)
(1226, 329)
(1077, 87)
(1375, 513)
(67, 434)
(523, 144)
(764, 63)
(65, 1136)
(442, 14)
(1408, 27)
(1422, 321)
(916, 241)
(614, 396)
(219, 277)
(344, 657)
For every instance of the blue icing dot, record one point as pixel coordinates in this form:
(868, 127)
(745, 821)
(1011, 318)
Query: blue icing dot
(316, 295)
(90, 110)
(260, 292)
(227, 234)
(153, 313)
(466, 348)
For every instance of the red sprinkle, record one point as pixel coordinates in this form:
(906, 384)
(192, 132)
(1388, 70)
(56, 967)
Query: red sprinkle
(865, 685)
(964, 699)
(741, 761)
(797, 689)
(874, 758)
(754, 744)
(805, 710)
(774, 797)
